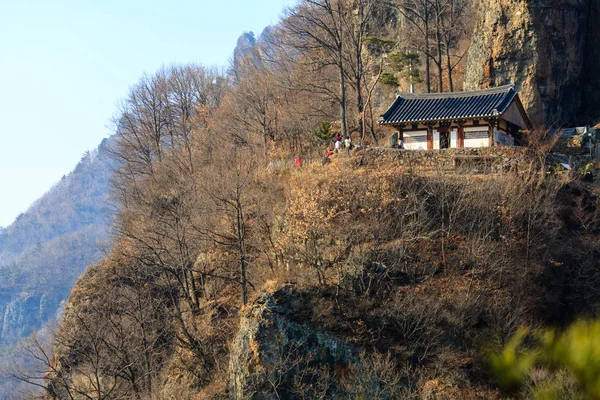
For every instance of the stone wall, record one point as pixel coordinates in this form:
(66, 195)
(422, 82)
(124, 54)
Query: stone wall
(493, 159)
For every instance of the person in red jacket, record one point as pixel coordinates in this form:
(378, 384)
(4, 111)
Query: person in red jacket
(298, 161)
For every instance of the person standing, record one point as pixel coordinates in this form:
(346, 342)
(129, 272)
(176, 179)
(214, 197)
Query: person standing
(338, 144)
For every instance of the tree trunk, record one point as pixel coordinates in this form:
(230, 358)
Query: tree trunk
(241, 231)
(265, 144)
(438, 38)
(427, 61)
(342, 95)
(359, 74)
(368, 102)
(449, 66)
(360, 106)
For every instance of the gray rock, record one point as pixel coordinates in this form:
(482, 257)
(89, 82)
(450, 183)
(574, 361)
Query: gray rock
(273, 357)
(24, 312)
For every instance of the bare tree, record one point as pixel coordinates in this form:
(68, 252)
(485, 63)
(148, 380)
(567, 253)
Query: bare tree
(157, 116)
(452, 21)
(255, 99)
(456, 24)
(357, 23)
(419, 14)
(319, 26)
(227, 185)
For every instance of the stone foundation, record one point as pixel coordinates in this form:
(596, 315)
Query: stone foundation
(489, 159)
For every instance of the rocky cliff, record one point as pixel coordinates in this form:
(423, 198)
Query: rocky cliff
(250, 45)
(24, 312)
(545, 47)
(272, 355)
(591, 87)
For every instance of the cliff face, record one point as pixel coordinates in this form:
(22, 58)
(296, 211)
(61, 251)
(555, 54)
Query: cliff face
(591, 83)
(22, 313)
(271, 353)
(249, 45)
(546, 48)
(246, 43)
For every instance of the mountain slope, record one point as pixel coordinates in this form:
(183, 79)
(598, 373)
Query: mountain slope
(48, 247)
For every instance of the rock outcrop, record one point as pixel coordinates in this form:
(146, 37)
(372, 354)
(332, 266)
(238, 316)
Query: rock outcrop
(246, 44)
(547, 48)
(591, 83)
(272, 355)
(21, 313)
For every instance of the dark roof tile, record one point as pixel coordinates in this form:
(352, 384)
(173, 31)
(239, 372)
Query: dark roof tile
(413, 108)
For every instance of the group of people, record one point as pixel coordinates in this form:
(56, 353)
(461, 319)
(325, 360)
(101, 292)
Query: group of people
(347, 143)
(339, 144)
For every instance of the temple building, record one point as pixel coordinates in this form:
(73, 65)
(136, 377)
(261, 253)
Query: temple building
(480, 118)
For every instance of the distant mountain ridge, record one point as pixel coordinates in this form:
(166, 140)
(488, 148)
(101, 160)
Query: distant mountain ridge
(247, 44)
(48, 247)
(45, 250)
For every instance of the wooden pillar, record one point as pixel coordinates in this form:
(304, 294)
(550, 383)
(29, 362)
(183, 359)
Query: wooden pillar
(492, 123)
(400, 130)
(460, 134)
(429, 138)
(430, 126)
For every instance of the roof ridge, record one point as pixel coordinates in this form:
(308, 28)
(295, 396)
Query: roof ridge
(480, 92)
(507, 102)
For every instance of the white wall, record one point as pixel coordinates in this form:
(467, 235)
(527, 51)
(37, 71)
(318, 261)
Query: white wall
(416, 140)
(454, 138)
(477, 136)
(436, 140)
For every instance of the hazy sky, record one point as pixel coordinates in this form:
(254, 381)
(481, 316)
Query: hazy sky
(65, 64)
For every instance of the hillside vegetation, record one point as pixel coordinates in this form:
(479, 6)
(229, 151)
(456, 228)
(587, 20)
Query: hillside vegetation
(416, 273)
(73, 212)
(362, 277)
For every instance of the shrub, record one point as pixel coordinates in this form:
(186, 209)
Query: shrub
(576, 351)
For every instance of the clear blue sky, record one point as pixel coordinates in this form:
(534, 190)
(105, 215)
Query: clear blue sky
(65, 64)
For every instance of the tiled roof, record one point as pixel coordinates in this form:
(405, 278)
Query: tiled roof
(413, 108)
